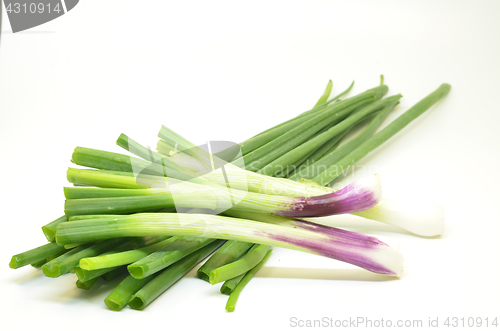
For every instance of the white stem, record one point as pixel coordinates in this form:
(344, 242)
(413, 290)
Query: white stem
(421, 218)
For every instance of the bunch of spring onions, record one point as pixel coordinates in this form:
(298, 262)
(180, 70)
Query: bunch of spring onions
(150, 219)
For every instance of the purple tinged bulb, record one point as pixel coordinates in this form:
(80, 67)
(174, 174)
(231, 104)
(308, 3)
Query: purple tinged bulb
(360, 195)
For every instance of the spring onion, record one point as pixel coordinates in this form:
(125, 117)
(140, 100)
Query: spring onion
(51, 269)
(230, 284)
(428, 222)
(120, 258)
(121, 295)
(357, 196)
(378, 139)
(336, 155)
(120, 215)
(235, 294)
(164, 148)
(239, 267)
(86, 285)
(115, 273)
(361, 250)
(40, 263)
(227, 253)
(85, 275)
(56, 267)
(312, 144)
(178, 248)
(35, 255)
(325, 95)
(169, 276)
(276, 142)
(49, 229)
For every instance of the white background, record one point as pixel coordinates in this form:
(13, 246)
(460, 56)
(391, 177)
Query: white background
(227, 70)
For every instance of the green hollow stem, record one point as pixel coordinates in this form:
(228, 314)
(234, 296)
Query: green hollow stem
(176, 139)
(331, 158)
(272, 144)
(240, 266)
(121, 295)
(314, 155)
(137, 149)
(219, 198)
(137, 168)
(379, 138)
(238, 179)
(168, 166)
(169, 276)
(84, 275)
(120, 258)
(40, 263)
(98, 159)
(354, 248)
(49, 230)
(327, 147)
(421, 218)
(93, 192)
(86, 285)
(235, 294)
(333, 99)
(164, 148)
(115, 273)
(178, 248)
(73, 245)
(205, 198)
(230, 284)
(281, 145)
(325, 95)
(227, 253)
(53, 272)
(60, 266)
(35, 255)
(312, 144)
(102, 178)
(290, 169)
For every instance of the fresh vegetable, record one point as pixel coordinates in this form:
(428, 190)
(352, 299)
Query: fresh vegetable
(152, 218)
(235, 294)
(169, 276)
(378, 139)
(239, 267)
(361, 250)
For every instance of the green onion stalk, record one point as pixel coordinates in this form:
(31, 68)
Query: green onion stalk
(316, 142)
(165, 279)
(116, 259)
(177, 249)
(131, 245)
(239, 267)
(357, 196)
(230, 284)
(35, 255)
(229, 252)
(235, 293)
(49, 229)
(358, 249)
(418, 217)
(65, 263)
(261, 139)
